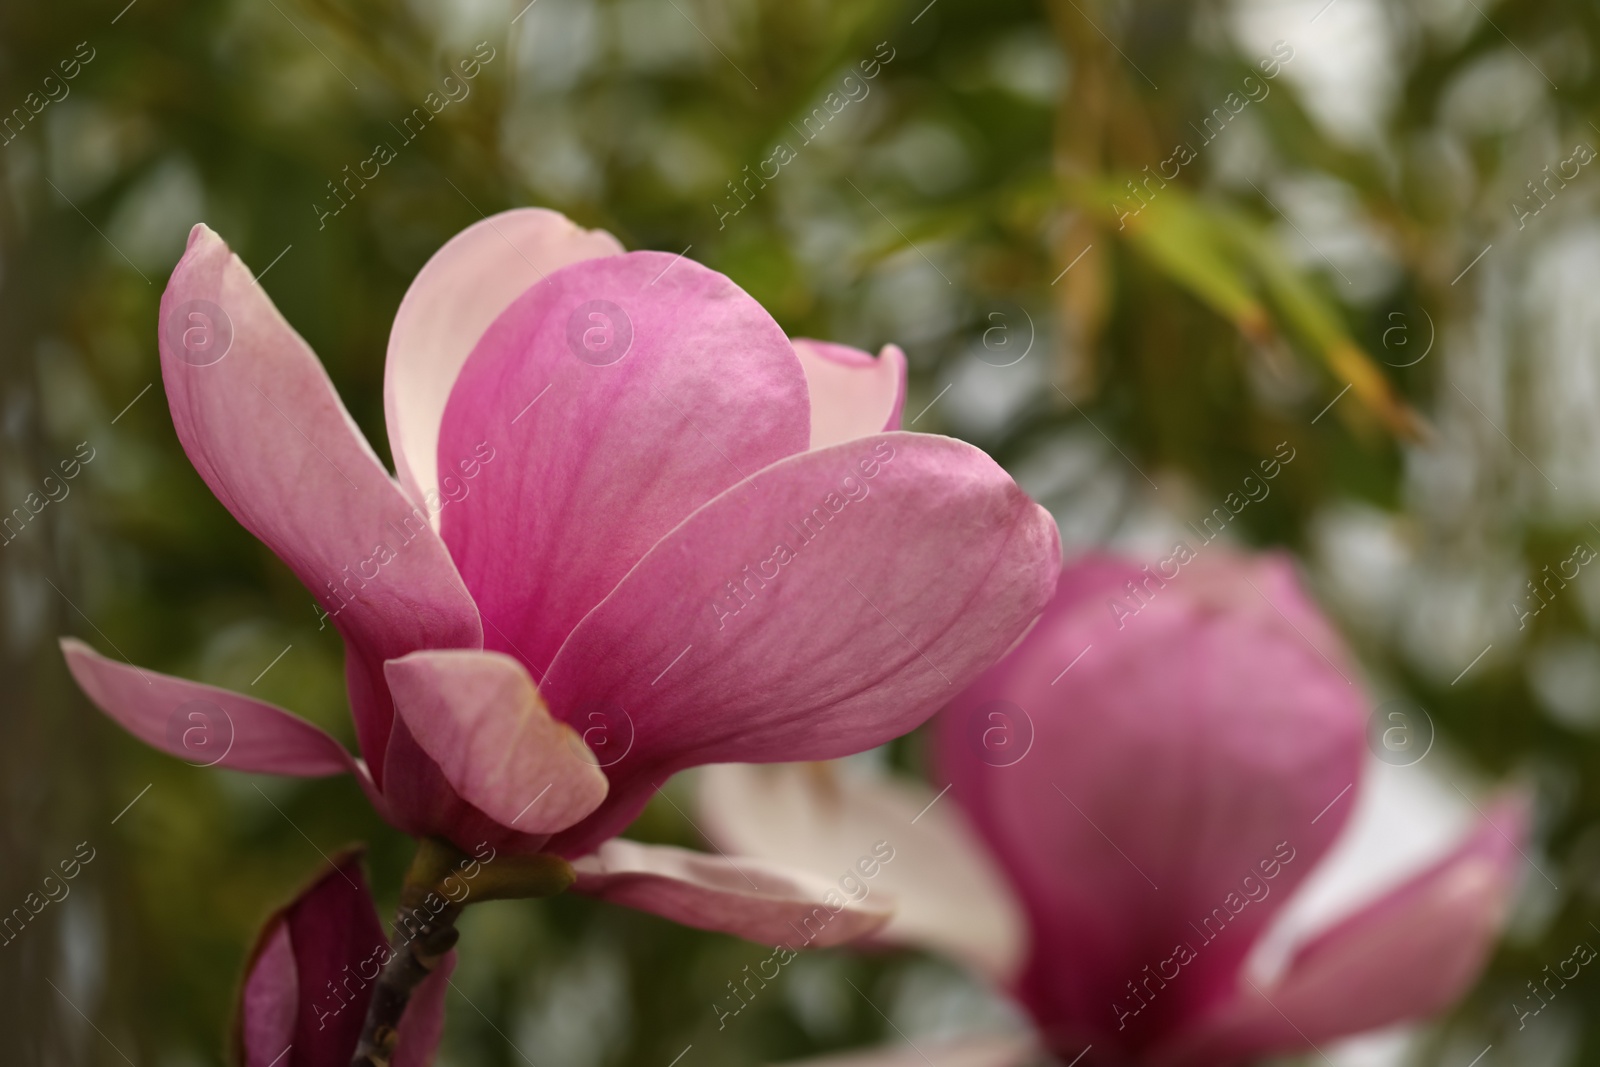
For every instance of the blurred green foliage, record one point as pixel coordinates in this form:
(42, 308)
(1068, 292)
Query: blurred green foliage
(969, 206)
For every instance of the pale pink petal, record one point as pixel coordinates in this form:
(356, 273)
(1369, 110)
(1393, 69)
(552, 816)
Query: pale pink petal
(874, 579)
(999, 1050)
(852, 394)
(208, 726)
(1407, 956)
(615, 398)
(453, 299)
(429, 806)
(748, 898)
(262, 424)
(892, 836)
(480, 719)
(1156, 751)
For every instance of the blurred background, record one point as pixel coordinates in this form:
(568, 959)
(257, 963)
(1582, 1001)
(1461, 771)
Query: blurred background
(1362, 253)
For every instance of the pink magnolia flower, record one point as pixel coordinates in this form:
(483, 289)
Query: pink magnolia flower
(630, 512)
(1132, 833)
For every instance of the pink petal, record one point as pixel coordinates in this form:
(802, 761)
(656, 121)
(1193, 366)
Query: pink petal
(1408, 955)
(750, 899)
(289, 1002)
(429, 806)
(207, 726)
(999, 1050)
(265, 429)
(270, 1000)
(309, 980)
(453, 299)
(594, 462)
(478, 716)
(1403, 820)
(828, 819)
(422, 1024)
(852, 394)
(887, 606)
(1131, 771)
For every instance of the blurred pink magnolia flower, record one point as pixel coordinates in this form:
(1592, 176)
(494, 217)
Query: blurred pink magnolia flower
(630, 512)
(1131, 833)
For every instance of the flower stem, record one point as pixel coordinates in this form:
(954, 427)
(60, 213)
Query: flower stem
(421, 937)
(437, 886)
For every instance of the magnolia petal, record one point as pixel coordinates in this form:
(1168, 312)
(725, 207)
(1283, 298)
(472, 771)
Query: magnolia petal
(852, 394)
(624, 392)
(1408, 955)
(461, 290)
(999, 1050)
(290, 1014)
(429, 806)
(208, 726)
(422, 1024)
(876, 578)
(325, 946)
(478, 716)
(748, 898)
(263, 426)
(270, 1000)
(1404, 818)
(949, 895)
